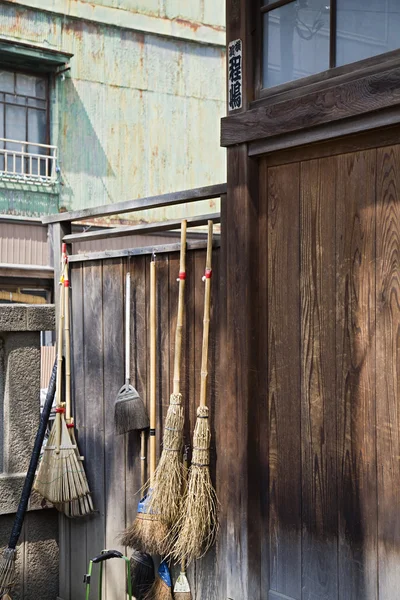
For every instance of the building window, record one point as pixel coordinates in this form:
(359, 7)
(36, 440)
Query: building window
(305, 37)
(24, 135)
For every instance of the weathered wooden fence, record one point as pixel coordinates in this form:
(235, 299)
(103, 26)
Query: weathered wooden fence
(112, 461)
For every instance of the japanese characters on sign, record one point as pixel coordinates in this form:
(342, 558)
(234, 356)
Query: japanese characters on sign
(235, 74)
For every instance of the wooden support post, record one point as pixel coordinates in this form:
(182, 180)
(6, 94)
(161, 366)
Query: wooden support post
(239, 545)
(56, 234)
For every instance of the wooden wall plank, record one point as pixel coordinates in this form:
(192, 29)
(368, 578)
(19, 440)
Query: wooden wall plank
(138, 269)
(318, 393)
(94, 405)
(284, 380)
(206, 568)
(263, 451)
(163, 345)
(388, 369)
(114, 449)
(78, 547)
(355, 352)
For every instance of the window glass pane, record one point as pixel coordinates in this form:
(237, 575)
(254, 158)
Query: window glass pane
(6, 81)
(29, 85)
(36, 129)
(15, 123)
(366, 28)
(296, 41)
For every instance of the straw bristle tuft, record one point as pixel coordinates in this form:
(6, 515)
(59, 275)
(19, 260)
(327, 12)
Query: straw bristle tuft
(167, 485)
(159, 591)
(61, 477)
(148, 533)
(182, 596)
(142, 573)
(7, 571)
(197, 526)
(130, 412)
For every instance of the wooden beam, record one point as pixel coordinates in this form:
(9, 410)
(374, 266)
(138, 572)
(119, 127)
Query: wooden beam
(350, 99)
(26, 271)
(205, 193)
(106, 254)
(143, 228)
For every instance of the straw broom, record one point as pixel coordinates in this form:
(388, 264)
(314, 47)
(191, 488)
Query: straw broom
(198, 524)
(83, 505)
(149, 531)
(7, 561)
(59, 478)
(167, 486)
(182, 587)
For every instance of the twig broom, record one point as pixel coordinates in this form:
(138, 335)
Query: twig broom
(149, 532)
(59, 478)
(167, 486)
(198, 523)
(7, 561)
(83, 505)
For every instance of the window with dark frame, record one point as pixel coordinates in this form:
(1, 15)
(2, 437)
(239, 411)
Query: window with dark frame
(306, 37)
(23, 118)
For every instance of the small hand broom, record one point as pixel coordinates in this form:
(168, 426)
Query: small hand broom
(149, 531)
(197, 526)
(142, 565)
(83, 505)
(130, 412)
(162, 588)
(60, 478)
(167, 485)
(7, 561)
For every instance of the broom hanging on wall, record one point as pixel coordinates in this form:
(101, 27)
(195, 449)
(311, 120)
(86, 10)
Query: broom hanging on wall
(182, 587)
(149, 532)
(60, 476)
(7, 561)
(198, 524)
(83, 505)
(167, 486)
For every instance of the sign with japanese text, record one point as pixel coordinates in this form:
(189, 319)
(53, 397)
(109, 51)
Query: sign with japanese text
(235, 75)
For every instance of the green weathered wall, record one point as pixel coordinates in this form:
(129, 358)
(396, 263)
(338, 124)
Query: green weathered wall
(139, 112)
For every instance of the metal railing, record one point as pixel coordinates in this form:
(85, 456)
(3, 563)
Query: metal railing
(28, 162)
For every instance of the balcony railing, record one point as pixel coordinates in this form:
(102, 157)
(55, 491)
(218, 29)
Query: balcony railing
(27, 162)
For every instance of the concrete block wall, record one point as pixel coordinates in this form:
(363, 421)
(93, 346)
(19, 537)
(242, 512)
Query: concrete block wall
(37, 561)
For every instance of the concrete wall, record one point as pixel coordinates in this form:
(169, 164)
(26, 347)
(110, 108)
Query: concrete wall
(139, 112)
(20, 327)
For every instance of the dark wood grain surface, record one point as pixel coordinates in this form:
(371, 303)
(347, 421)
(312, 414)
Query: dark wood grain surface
(284, 379)
(388, 368)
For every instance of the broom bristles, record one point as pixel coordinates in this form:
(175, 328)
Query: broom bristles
(81, 507)
(182, 596)
(159, 591)
(167, 486)
(130, 412)
(197, 527)
(61, 477)
(148, 533)
(7, 571)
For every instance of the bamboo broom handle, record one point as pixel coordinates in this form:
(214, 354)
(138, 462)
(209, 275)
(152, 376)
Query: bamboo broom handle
(59, 359)
(206, 322)
(152, 370)
(181, 308)
(68, 414)
(143, 458)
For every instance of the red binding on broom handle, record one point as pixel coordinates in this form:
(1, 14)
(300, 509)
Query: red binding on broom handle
(206, 326)
(181, 308)
(153, 458)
